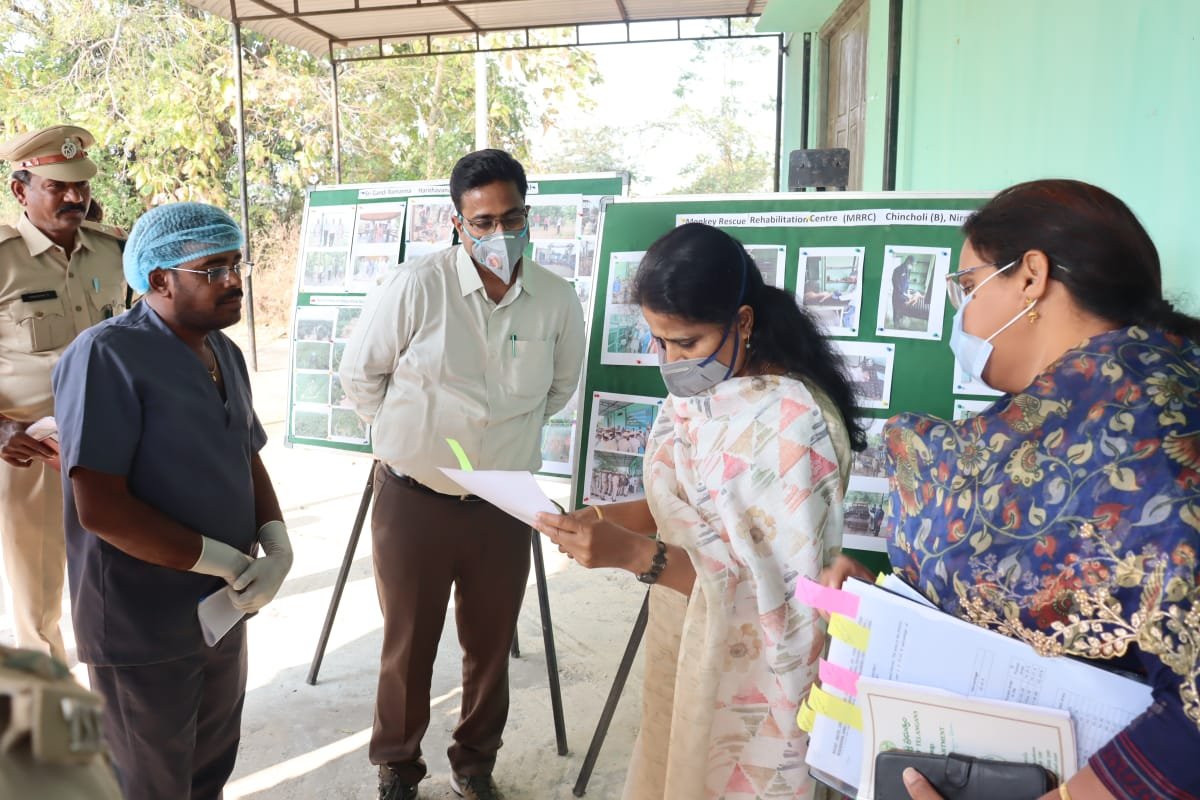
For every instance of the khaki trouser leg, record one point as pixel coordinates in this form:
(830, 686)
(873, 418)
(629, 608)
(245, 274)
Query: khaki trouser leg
(35, 554)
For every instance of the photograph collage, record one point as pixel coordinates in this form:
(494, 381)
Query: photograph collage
(617, 434)
(319, 408)
(349, 249)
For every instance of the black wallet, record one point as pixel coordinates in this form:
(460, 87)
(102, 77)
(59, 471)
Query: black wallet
(958, 777)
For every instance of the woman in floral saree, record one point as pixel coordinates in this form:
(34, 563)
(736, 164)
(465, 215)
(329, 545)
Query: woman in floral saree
(1068, 514)
(745, 474)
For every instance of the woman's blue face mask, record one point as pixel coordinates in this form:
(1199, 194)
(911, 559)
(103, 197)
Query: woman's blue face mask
(973, 351)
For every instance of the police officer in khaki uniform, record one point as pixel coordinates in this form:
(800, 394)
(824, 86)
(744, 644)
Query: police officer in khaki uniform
(50, 745)
(58, 276)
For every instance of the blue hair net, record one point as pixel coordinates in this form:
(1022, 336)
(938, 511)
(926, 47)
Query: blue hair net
(175, 234)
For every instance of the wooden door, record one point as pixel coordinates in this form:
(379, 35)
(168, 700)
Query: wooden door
(845, 44)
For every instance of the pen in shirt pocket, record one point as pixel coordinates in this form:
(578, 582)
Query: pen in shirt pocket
(513, 339)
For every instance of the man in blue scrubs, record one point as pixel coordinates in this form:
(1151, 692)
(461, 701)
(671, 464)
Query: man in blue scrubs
(166, 499)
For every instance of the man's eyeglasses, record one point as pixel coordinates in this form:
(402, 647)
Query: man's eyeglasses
(482, 226)
(220, 274)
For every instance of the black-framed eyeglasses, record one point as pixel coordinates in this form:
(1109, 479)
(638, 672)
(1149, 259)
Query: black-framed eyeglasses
(220, 274)
(482, 226)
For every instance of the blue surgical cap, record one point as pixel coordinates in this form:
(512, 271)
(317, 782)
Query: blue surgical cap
(175, 234)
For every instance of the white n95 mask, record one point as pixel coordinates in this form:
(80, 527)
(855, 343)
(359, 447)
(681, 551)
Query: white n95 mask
(500, 252)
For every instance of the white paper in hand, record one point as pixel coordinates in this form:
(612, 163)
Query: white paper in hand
(44, 428)
(514, 492)
(218, 615)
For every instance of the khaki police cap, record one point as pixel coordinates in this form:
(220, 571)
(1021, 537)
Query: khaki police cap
(58, 152)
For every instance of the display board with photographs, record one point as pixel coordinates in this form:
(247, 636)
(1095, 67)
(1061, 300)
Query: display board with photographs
(355, 236)
(842, 257)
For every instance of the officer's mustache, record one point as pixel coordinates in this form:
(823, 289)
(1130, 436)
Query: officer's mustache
(69, 207)
(232, 294)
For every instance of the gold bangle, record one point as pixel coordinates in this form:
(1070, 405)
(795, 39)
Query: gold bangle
(599, 513)
(1062, 791)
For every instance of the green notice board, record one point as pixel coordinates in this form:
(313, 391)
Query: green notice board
(355, 235)
(870, 268)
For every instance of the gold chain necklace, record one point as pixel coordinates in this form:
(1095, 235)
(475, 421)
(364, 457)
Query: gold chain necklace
(214, 370)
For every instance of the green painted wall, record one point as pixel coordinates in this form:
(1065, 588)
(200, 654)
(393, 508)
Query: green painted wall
(993, 93)
(1106, 91)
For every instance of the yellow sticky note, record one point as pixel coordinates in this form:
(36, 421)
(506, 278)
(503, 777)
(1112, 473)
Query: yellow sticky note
(846, 630)
(880, 578)
(806, 717)
(464, 463)
(836, 709)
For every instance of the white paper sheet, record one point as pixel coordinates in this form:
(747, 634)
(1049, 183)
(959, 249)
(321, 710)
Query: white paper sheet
(514, 492)
(217, 615)
(916, 644)
(44, 428)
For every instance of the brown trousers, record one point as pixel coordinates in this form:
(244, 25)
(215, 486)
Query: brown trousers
(422, 544)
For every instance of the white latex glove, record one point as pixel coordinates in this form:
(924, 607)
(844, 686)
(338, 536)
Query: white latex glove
(258, 585)
(219, 559)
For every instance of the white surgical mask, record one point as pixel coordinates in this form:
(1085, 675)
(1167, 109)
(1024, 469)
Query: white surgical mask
(972, 351)
(500, 252)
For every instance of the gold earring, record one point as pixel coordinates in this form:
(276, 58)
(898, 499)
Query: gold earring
(1033, 315)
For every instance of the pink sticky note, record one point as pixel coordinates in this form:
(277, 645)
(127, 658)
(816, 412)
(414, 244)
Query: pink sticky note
(840, 678)
(823, 598)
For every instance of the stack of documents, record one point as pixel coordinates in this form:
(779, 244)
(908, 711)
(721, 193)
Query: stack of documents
(902, 674)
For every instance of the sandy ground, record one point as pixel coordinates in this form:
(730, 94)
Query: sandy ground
(301, 741)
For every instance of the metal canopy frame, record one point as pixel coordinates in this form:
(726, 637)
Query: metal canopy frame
(457, 42)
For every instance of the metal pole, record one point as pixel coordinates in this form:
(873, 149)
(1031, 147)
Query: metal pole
(895, 31)
(779, 110)
(248, 283)
(343, 575)
(337, 119)
(556, 704)
(806, 79)
(614, 697)
(481, 101)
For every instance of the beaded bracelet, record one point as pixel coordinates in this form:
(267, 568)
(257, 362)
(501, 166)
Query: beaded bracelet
(657, 565)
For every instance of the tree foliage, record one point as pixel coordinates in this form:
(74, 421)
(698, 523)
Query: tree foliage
(734, 159)
(154, 81)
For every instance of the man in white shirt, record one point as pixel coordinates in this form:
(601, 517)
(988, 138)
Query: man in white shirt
(477, 344)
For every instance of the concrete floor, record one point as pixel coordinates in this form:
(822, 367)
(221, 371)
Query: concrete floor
(301, 741)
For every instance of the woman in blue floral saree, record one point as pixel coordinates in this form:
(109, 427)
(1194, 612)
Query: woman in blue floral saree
(1068, 514)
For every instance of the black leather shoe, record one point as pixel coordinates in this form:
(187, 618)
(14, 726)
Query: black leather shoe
(392, 788)
(475, 787)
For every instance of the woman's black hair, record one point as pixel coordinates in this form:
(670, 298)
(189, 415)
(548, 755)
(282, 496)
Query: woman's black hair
(696, 271)
(1103, 255)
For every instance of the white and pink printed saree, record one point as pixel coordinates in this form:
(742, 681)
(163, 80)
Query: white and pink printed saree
(749, 479)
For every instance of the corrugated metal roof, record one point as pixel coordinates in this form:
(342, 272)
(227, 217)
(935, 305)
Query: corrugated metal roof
(315, 25)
